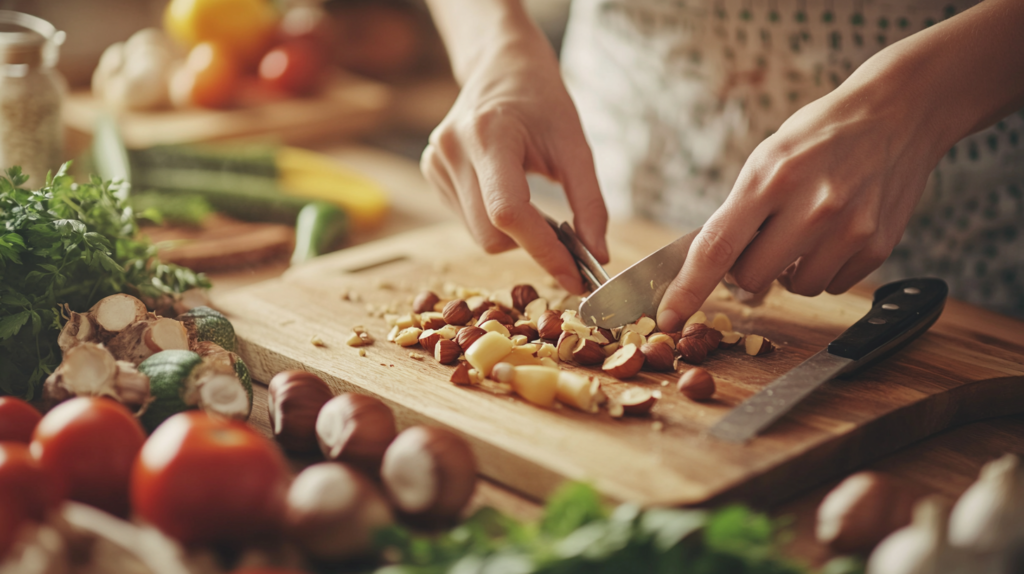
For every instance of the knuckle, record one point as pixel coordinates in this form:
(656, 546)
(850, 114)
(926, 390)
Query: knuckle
(749, 280)
(493, 243)
(862, 229)
(806, 287)
(504, 214)
(826, 207)
(714, 248)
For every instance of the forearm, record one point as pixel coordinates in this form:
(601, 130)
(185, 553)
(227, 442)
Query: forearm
(962, 74)
(474, 30)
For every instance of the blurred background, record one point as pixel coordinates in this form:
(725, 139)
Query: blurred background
(230, 116)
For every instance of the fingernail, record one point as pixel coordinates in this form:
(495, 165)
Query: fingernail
(668, 321)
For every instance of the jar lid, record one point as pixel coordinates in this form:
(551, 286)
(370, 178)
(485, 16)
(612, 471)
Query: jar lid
(26, 39)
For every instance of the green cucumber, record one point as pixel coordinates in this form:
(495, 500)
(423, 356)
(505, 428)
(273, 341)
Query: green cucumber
(206, 324)
(318, 227)
(217, 382)
(167, 372)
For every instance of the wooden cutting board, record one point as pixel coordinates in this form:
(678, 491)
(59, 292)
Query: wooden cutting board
(348, 105)
(961, 370)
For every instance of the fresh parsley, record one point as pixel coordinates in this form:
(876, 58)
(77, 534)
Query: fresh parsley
(67, 244)
(578, 534)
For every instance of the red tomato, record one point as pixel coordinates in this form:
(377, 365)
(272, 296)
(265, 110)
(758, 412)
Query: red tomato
(17, 419)
(210, 78)
(88, 445)
(296, 67)
(206, 480)
(26, 493)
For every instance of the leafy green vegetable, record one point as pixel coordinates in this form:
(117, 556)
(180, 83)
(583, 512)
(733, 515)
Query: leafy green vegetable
(579, 535)
(70, 244)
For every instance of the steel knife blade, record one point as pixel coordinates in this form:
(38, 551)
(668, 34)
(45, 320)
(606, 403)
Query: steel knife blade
(900, 312)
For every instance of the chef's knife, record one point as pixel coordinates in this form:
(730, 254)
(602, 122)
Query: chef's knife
(900, 312)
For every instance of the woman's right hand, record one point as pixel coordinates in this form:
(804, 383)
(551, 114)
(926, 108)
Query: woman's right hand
(515, 116)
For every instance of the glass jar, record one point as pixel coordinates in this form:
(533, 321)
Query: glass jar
(31, 91)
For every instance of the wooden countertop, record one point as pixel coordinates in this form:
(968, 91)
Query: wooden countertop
(944, 464)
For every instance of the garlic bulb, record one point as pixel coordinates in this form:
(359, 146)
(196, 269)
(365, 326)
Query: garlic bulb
(920, 547)
(989, 517)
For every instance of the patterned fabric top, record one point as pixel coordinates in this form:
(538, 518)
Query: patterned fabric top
(675, 94)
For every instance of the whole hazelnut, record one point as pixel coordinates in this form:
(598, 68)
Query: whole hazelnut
(522, 295)
(526, 330)
(549, 325)
(658, 356)
(494, 314)
(696, 384)
(355, 429)
(425, 301)
(692, 350)
(701, 331)
(429, 474)
(466, 337)
(293, 400)
(457, 312)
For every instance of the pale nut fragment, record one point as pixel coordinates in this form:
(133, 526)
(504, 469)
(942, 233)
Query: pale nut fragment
(658, 356)
(588, 352)
(610, 348)
(448, 331)
(638, 401)
(661, 338)
(698, 317)
(580, 392)
(408, 320)
(534, 309)
(547, 350)
(721, 322)
(432, 320)
(503, 372)
(519, 340)
(566, 344)
(645, 325)
(548, 362)
(696, 384)
(631, 337)
(359, 338)
(393, 333)
(488, 351)
(598, 337)
(447, 352)
(624, 363)
(409, 337)
(536, 384)
(495, 326)
(758, 345)
(730, 339)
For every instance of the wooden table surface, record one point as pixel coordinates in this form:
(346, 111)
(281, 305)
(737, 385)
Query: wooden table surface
(944, 464)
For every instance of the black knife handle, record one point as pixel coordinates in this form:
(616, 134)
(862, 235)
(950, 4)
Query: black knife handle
(901, 311)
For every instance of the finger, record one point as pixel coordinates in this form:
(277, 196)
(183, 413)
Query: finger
(576, 166)
(711, 255)
(858, 267)
(814, 271)
(467, 189)
(506, 197)
(782, 240)
(436, 174)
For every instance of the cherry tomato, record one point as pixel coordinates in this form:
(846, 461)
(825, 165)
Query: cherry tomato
(26, 492)
(210, 78)
(204, 480)
(88, 445)
(17, 420)
(296, 67)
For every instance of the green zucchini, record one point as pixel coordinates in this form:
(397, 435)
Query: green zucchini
(319, 226)
(206, 324)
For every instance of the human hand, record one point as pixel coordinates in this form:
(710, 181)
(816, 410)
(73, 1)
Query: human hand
(514, 116)
(819, 204)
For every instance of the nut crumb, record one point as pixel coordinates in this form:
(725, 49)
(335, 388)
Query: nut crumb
(317, 341)
(657, 426)
(664, 383)
(362, 352)
(382, 284)
(416, 356)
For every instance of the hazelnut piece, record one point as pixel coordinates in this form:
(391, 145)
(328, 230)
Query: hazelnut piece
(293, 400)
(355, 429)
(526, 330)
(447, 352)
(658, 356)
(566, 344)
(332, 512)
(429, 474)
(711, 337)
(692, 350)
(696, 384)
(425, 301)
(466, 337)
(638, 401)
(460, 376)
(549, 325)
(588, 352)
(428, 340)
(757, 345)
(522, 295)
(457, 312)
(730, 339)
(624, 362)
(494, 314)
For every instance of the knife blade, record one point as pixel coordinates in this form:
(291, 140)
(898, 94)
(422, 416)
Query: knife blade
(638, 290)
(900, 312)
